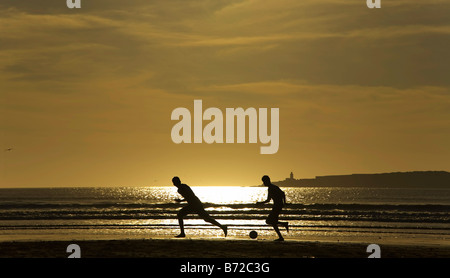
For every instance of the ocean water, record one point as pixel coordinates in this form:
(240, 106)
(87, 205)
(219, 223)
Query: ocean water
(409, 216)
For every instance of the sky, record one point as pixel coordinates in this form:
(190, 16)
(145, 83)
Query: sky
(86, 95)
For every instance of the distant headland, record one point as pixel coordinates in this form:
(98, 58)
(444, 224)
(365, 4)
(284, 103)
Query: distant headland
(415, 179)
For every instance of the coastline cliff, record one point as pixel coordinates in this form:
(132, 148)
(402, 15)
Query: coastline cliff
(415, 179)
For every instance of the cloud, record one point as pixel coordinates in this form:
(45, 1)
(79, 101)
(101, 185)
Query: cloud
(347, 79)
(337, 42)
(380, 107)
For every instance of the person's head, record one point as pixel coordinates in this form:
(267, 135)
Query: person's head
(176, 181)
(266, 180)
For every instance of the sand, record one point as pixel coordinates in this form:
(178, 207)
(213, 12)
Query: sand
(214, 248)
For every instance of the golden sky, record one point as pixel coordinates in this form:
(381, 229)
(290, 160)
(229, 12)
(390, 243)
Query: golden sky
(86, 94)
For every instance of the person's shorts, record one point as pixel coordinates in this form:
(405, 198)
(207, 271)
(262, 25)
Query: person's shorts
(197, 209)
(273, 215)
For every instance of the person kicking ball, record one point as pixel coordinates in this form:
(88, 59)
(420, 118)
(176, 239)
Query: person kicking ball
(279, 201)
(194, 205)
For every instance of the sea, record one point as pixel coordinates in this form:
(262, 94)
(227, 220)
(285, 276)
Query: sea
(373, 215)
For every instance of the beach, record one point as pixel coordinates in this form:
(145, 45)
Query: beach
(215, 248)
(142, 223)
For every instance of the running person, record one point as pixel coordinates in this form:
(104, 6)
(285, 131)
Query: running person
(279, 201)
(194, 206)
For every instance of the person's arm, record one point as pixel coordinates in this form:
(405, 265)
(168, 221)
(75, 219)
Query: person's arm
(266, 201)
(182, 195)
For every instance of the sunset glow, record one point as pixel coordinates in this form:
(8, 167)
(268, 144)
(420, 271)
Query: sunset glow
(86, 95)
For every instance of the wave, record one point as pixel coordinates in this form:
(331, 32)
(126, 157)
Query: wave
(301, 229)
(320, 206)
(308, 212)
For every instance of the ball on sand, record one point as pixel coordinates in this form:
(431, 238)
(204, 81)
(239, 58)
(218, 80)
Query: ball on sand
(253, 234)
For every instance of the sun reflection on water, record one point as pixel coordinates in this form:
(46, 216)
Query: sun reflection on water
(230, 195)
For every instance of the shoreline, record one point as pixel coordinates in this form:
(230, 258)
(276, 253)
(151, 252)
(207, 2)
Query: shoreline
(214, 248)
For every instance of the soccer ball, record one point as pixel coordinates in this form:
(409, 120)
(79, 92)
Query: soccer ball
(253, 234)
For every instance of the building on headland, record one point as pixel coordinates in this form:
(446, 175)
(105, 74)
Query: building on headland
(424, 179)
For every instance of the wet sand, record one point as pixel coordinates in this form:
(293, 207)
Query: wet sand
(214, 248)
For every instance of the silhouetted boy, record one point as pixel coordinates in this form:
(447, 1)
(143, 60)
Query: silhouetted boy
(279, 200)
(194, 206)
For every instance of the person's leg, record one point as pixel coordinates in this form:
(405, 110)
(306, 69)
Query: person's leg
(285, 225)
(280, 237)
(181, 214)
(205, 216)
(180, 222)
(273, 221)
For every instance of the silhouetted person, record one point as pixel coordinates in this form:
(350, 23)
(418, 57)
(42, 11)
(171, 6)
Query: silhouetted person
(279, 200)
(194, 206)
